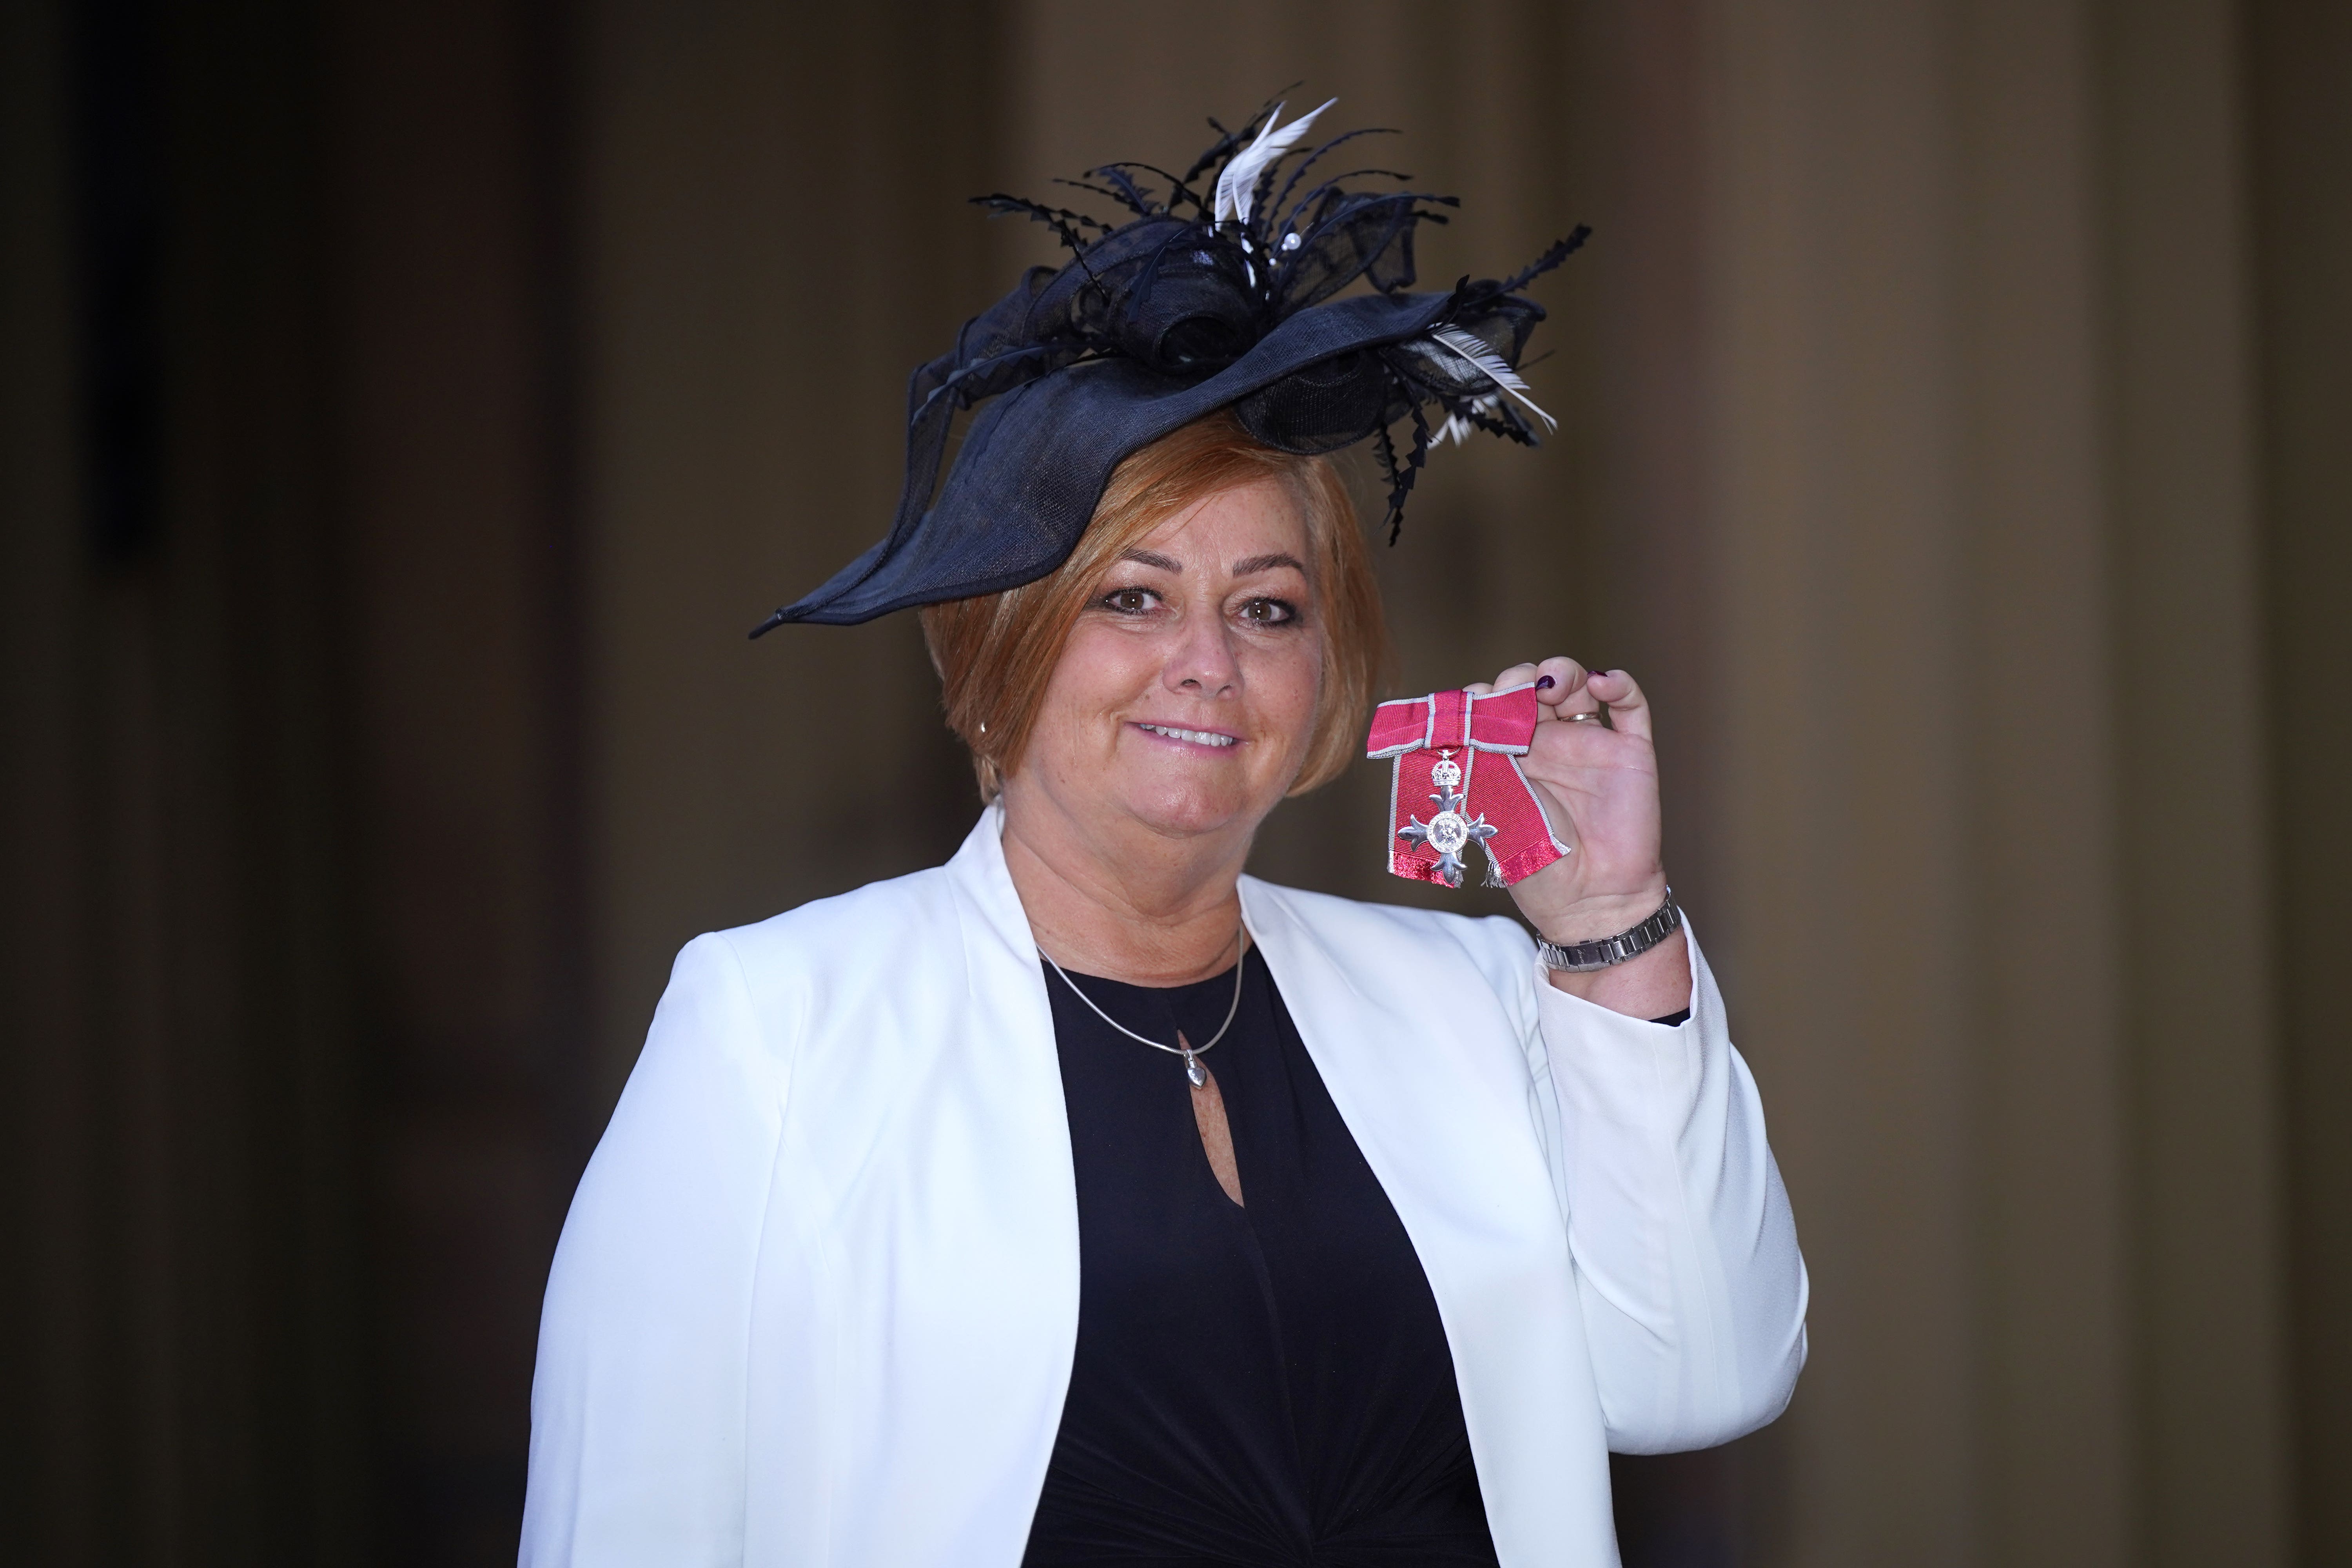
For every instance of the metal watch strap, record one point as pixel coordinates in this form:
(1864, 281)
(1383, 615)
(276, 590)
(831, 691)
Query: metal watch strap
(1602, 952)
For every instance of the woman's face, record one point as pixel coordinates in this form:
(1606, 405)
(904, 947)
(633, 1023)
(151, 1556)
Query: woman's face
(1184, 698)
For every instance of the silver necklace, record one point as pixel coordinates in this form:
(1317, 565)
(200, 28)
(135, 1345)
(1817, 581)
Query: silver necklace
(1194, 1073)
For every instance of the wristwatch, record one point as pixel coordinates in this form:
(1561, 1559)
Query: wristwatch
(1602, 952)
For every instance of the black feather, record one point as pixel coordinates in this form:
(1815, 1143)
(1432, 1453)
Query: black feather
(1560, 250)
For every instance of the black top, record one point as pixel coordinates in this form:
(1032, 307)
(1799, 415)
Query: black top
(1258, 1384)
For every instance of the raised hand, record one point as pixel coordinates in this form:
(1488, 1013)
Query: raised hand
(1596, 772)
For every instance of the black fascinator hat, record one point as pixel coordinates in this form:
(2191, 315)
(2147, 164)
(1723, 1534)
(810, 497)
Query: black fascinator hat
(1228, 289)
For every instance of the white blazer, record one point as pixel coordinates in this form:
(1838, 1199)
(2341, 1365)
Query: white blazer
(817, 1297)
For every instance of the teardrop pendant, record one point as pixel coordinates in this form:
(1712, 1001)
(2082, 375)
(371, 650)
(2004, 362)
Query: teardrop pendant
(1194, 1073)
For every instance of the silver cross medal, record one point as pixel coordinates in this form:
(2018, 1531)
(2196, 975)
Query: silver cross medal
(1447, 831)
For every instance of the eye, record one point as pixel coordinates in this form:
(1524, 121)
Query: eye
(1128, 601)
(1269, 612)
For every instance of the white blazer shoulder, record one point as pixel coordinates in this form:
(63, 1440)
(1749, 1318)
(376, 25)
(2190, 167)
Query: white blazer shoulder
(817, 1296)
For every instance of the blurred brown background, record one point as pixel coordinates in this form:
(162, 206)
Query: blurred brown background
(405, 408)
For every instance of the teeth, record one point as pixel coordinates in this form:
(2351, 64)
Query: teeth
(1198, 737)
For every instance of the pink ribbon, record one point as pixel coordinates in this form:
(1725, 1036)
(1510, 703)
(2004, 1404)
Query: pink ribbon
(1475, 740)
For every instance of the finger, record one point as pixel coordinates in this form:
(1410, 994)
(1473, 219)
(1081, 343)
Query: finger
(1555, 678)
(1561, 685)
(1517, 675)
(1629, 709)
(1558, 679)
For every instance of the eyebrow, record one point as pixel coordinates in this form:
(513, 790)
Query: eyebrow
(1249, 567)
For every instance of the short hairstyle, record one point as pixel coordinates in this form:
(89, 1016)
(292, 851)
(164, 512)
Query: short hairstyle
(995, 653)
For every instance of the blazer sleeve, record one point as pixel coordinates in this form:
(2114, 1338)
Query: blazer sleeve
(1691, 1286)
(638, 1404)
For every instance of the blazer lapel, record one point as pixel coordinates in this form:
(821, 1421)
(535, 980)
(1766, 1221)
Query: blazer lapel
(951, 1254)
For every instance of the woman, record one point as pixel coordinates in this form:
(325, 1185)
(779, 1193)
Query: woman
(1087, 1201)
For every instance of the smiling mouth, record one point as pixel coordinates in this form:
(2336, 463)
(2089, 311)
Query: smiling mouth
(1196, 737)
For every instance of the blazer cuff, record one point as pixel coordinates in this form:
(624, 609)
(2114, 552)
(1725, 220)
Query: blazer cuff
(1548, 994)
(1632, 1069)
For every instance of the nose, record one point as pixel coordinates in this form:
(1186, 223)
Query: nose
(1201, 664)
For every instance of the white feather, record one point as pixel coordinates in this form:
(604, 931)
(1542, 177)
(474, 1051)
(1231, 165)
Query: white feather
(1239, 182)
(1493, 367)
(1457, 430)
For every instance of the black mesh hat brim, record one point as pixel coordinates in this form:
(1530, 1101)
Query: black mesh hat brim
(1035, 459)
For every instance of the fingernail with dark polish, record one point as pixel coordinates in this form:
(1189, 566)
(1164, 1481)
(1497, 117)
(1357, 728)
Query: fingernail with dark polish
(1545, 682)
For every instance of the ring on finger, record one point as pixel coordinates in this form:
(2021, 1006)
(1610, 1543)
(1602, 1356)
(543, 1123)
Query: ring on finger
(1594, 718)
